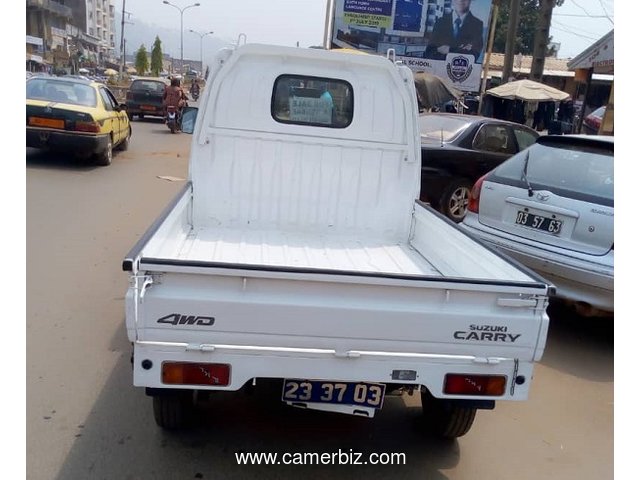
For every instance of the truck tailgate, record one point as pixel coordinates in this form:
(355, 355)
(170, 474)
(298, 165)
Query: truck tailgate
(308, 310)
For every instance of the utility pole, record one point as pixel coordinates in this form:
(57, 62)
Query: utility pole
(328, 24)
(514, 17)
(122, 40)
(541, 40)
(487, 56)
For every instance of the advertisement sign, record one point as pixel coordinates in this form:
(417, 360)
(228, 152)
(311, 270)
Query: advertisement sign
(447, 38)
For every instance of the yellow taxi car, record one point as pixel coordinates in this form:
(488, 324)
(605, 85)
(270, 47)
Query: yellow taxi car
(77, 116)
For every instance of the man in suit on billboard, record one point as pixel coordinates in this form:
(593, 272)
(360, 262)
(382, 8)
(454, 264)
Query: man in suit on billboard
(457, 32)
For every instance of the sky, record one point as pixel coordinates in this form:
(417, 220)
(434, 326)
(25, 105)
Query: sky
(282, 22)
(576, 24)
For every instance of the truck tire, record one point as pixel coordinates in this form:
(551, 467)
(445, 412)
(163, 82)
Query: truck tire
(455, 199)
(172, 411)
(446, 419)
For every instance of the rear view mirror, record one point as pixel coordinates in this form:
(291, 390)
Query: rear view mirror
(189, 115)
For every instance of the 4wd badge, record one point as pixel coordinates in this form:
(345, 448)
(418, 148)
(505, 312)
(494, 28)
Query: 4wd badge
(459, 68)
(180, 319)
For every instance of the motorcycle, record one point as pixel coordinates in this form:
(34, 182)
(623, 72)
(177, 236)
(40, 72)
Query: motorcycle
(174, 119)
(195, 94)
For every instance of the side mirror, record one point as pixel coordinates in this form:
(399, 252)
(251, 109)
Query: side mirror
(189, 115)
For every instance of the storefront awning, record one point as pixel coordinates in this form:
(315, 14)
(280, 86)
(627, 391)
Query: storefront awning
(35, 58)
(598, 56)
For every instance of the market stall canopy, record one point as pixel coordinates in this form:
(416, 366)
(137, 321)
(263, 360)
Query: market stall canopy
(110, 71)
(433, 90)
(528, 91)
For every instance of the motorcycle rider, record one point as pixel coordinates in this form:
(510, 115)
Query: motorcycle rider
(195, 89)
(175, 96)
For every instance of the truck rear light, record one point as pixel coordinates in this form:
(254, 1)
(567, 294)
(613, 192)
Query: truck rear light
(463, 384)
(185, 373)
(93, 127)
(474, 198)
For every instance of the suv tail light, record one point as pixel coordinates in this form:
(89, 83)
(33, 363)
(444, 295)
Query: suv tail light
(474, 198)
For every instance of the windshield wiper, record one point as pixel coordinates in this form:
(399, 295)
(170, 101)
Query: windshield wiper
(524, 175)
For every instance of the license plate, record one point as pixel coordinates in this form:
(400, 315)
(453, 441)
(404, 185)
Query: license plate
(46, 122)
(342, 393)
(147, 107)
(539, 222)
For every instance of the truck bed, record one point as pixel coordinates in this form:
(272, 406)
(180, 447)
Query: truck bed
(297, 250)
(434, 249)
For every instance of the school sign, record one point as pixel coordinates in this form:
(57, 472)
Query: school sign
(426, 35)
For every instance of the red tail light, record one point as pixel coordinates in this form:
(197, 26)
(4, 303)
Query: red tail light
(185, 373)
(92, 127)
(463, 384)
(474, 198)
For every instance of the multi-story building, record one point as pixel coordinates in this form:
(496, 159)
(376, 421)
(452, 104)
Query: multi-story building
(47, 43)
(95, 19)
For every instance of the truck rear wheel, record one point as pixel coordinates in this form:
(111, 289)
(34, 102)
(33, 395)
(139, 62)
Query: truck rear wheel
(446, 419)
(172, 411)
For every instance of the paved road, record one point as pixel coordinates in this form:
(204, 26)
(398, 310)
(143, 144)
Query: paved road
(86, 421)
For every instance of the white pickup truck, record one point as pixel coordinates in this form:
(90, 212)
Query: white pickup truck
(297, 252)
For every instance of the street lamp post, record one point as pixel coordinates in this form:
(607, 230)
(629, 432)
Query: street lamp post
(202, 35)
(181, 10)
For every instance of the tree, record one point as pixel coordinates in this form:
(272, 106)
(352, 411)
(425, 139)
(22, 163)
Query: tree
(527, 25)
(142, 62)
(156, 57)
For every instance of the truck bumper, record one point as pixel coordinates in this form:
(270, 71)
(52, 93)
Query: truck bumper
(249, 362)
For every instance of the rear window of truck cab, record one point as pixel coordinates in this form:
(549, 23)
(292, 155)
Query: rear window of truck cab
(315, 101)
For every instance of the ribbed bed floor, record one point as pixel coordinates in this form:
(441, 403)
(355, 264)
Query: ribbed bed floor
(289, 249)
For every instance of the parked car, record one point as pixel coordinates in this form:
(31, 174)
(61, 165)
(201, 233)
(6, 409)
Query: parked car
(144, 97)
(591, 123)
(551, 208)
(77, 116)
(458, 149)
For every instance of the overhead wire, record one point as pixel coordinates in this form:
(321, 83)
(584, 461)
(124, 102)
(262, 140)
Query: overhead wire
(570, 30)
(605, 12)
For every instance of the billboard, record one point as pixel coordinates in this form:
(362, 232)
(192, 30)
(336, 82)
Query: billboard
(447, 38)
